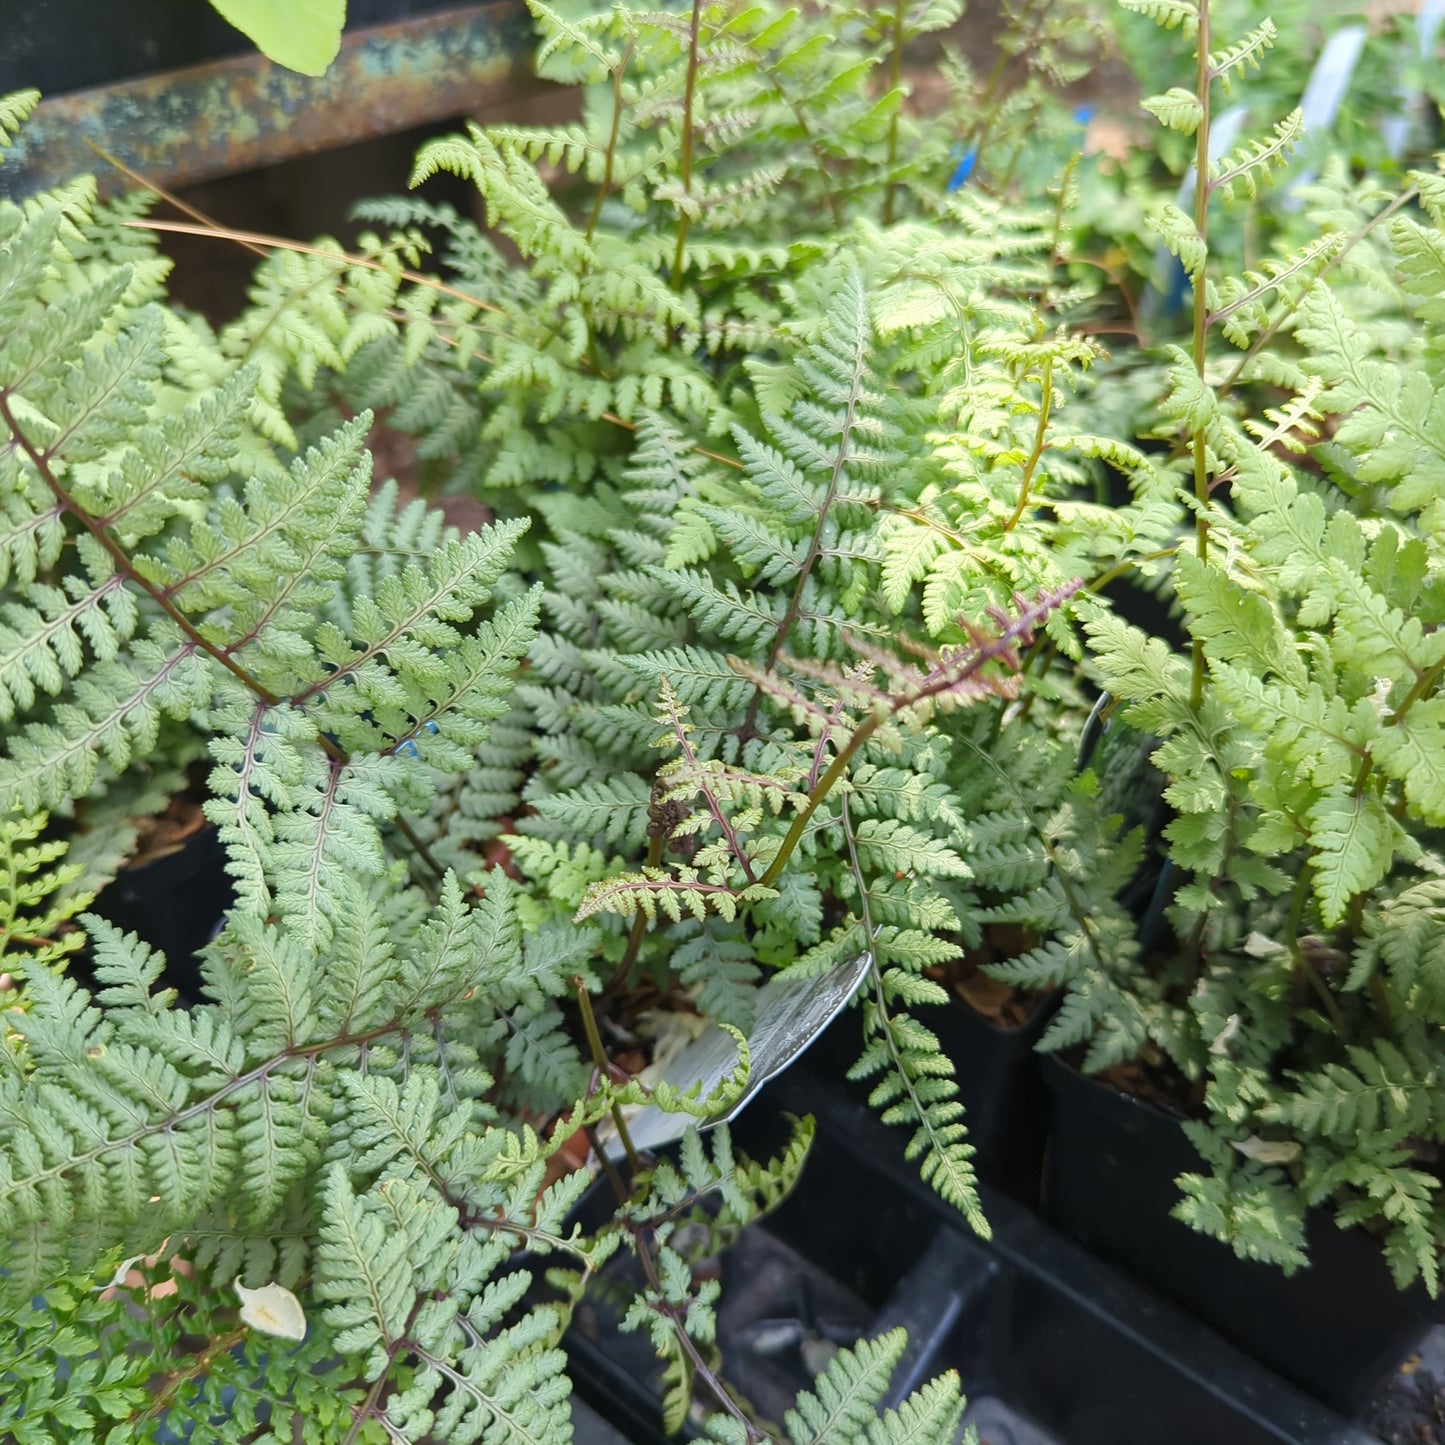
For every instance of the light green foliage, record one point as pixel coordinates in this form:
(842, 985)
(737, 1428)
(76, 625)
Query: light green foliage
(135, 1121)
(302, 35)
(685, 1214)
(1299, 743)
(37, 901)
(865, 434)
(82, 1366)
(769, 659)
(840, 1406)
(198, 564)
(149, 583)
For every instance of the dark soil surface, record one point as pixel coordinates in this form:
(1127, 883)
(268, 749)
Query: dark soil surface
(1410, 1409)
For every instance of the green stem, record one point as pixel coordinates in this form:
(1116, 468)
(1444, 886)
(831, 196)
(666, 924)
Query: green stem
(1056, 241)
(1381, 997)
(422, 851)
(1203, 82)
(599, 1058)
(1424, 682)
(1122, 569)
(1301, 959)
(636, 933)
(608, 1168)
(605, 189)
(900, 11)
(684, 221)
(1045, 403)
(820, 156)
(941, 680)
(826, 783)
(198, 1365)
(992, 100)
(1273, 329)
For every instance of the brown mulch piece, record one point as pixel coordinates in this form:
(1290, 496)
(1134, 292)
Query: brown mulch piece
(1001, 1004)
(165, 833)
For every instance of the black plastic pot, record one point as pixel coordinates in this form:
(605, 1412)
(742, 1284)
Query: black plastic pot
(1044, 1336)
(1003, 1092)
(1006, 1103)
(1336, 1328)
(174, 904)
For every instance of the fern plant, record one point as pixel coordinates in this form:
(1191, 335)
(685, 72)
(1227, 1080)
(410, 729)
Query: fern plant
(1297, 737)
(334, 1150)
(780, 460)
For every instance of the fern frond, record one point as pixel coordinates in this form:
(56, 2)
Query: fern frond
(1243, 54)
(1182, 15)
(1250, 165)
(14, 109)
(37, 899)
(843, 1403)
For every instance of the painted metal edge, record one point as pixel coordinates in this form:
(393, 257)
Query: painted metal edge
(178, 127)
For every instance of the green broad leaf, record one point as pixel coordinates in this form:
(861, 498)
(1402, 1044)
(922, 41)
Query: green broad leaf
(302, 35)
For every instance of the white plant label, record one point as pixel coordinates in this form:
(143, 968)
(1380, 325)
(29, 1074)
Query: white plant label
(791, 1013)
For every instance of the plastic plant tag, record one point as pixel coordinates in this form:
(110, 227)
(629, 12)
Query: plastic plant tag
(791, 1013)
(1397, 128)
(1320, 104)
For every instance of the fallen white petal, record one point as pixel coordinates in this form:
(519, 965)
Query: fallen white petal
(118, 1278)
(273, 1310)
(1260, 945)
(1268, 1151)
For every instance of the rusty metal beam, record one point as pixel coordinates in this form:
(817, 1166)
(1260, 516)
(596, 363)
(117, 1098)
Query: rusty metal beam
(183, 126)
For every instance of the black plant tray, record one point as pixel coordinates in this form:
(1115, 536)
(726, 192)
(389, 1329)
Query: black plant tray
(1053, 1346)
